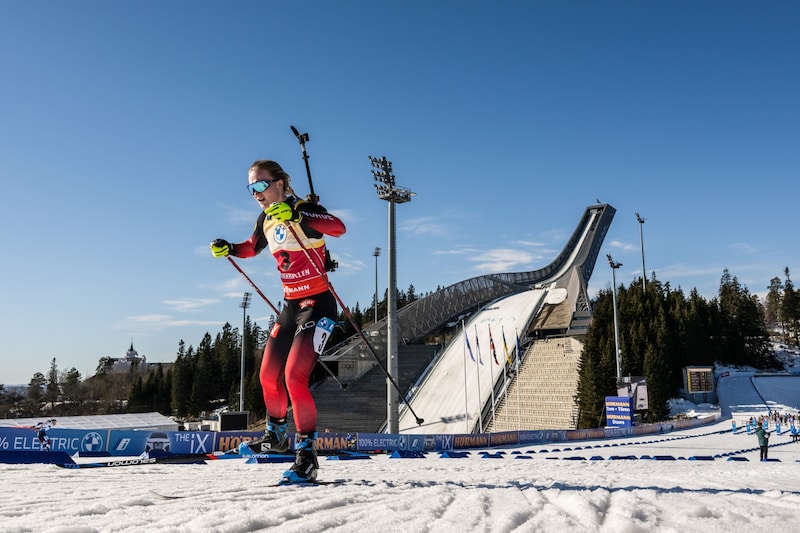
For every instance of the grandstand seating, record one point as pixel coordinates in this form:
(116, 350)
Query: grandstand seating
(542, 395)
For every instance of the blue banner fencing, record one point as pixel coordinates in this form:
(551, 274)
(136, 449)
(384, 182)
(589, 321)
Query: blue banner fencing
(68, 442)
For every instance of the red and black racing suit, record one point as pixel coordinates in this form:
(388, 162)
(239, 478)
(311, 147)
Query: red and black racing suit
(309, 314)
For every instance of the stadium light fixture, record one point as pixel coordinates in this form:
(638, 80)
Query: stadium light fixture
(389, 191)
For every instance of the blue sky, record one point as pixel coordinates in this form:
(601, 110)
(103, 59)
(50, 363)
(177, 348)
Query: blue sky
(128, 127)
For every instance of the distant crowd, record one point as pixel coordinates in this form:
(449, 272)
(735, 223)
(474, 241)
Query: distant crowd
(773, 421)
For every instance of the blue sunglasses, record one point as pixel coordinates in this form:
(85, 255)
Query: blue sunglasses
(260, 186)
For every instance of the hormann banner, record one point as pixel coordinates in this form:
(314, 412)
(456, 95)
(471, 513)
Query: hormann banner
(619, 411)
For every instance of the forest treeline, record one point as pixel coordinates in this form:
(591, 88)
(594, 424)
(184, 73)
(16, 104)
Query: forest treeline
(661, 330)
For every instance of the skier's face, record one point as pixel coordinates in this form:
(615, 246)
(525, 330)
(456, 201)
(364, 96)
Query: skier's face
(273, 193)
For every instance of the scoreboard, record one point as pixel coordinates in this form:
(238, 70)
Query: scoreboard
(699, 379)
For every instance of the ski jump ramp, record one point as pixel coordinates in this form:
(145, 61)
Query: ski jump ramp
(461, 380)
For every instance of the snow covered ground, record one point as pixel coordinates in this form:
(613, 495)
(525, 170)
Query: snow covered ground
(531, 488)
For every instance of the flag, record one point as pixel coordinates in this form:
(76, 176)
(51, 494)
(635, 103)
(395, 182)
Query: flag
(478, 346)
(491, 347)
(505, 346)
(519, 349)
(466, 341)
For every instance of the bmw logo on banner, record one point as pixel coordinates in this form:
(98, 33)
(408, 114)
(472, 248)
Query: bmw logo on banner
(92, 442)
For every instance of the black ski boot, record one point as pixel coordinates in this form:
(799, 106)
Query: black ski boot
(304, 469)
(274, 440)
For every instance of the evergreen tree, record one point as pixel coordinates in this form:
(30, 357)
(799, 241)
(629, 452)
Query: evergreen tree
(597, 377)
(773, 314)
(104, 366)
(204, 386)
(744, 331)
(182, 378)
(32, 404)
(71, 385)
(790, 310)
(11, 403)
(164, 388)
(52, 391)
(411, 294)
(137, 402)
(698, 348)
(658, 370)
(227, 357)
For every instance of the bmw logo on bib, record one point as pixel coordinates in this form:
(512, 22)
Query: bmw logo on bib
(280, 233)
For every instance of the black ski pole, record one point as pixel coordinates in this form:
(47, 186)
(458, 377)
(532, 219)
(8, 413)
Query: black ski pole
(250, 281)
(302, 138)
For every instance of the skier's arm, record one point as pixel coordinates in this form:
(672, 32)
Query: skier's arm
(318, 219)
(248, 248)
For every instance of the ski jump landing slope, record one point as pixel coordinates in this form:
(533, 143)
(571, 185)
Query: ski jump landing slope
(441, 399)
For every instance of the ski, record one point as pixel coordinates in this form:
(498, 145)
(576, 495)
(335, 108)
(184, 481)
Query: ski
(189, 458)
(285, 482)
(166, 496)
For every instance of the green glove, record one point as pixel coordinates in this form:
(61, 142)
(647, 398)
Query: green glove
(283, 212)
(221, 248)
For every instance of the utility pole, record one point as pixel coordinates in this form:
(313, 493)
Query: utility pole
(376, 253)
(244, 305)
(641, 245)
(614, 266)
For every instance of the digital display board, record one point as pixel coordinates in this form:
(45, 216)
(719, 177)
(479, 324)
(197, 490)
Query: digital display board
(700, 379)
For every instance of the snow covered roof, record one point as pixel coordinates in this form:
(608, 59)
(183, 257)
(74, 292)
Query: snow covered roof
(150, 421)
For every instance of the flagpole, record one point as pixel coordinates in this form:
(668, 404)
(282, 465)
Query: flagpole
(505, 395)
(466, 403)
(480, 398)
(519, 413)
(507, 369)
(479, 363)
(519, 364)
(494, 402)
(491, 373)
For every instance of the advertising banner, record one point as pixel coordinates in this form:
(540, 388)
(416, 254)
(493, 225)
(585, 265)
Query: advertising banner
(619, 411)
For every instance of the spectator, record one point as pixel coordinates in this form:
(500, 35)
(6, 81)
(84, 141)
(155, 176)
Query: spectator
(763, 440)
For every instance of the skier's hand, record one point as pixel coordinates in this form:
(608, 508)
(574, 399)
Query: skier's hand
(283, 212)
(221, 248)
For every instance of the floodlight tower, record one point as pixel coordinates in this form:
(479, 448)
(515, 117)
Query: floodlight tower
(244, 305)
(614, 266)
(387, 190)
(641, 245)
